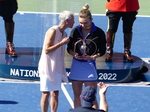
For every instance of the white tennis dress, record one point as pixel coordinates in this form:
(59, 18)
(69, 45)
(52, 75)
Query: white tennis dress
(51, 65)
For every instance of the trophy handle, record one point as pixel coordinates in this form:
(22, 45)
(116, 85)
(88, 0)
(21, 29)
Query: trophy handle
(94, 44)
(75, 45)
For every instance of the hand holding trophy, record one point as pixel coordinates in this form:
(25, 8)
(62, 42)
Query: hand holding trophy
(84, 48)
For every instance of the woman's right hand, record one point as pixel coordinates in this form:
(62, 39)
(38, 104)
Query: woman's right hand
(77, 56)
(65, 40)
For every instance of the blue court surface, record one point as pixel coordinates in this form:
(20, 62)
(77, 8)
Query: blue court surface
(24, 96)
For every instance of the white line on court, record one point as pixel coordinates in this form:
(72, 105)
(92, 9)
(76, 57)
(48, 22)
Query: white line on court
(22, 12)
(67, 95)
(131, 84)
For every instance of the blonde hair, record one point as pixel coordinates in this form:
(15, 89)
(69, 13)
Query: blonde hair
(85, 13)
(65, 15)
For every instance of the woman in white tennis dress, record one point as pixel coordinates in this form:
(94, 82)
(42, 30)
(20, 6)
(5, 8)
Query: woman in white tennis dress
(51, 65)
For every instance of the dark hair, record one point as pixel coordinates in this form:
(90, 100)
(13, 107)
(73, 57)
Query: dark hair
(85, 13)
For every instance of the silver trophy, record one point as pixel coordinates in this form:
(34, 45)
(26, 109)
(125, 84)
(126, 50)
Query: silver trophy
(85, 47)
